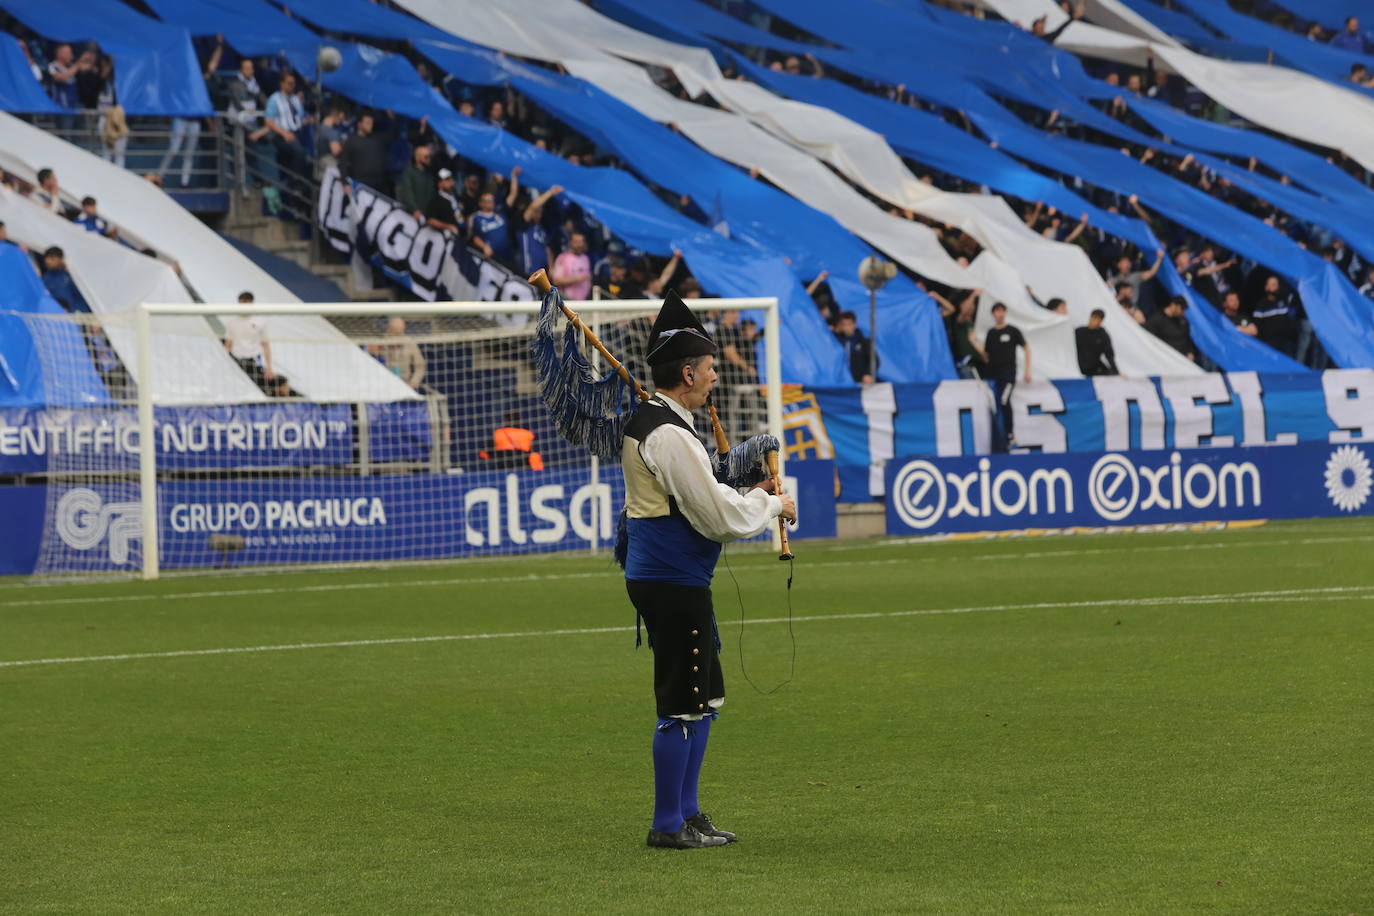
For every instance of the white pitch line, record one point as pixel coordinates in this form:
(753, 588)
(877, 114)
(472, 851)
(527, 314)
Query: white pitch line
(1337, 593)
(609, 573)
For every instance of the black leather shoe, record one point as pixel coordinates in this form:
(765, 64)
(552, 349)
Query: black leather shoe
(688, 837)
(702, 822)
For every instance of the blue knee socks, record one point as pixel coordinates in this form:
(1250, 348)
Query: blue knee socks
(672, 749)
(701, 731)
(679, 747)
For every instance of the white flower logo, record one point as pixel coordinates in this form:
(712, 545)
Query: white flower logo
(1349, 478)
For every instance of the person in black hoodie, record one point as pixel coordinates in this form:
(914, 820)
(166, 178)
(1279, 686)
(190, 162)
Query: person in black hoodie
(1170, 326)
(1095, 353)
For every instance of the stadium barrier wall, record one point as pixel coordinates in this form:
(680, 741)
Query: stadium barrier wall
(934, 495)
(237, 522)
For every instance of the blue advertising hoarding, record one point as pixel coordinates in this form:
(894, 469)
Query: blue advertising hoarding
(236, 521)
(282, 434)
(934, 495)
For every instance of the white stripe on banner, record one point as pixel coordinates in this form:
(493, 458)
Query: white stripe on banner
(880, 406)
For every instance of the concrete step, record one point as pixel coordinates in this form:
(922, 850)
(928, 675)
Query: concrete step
(292, 251)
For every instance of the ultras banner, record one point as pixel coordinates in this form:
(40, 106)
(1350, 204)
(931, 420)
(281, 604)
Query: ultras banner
(433, 264)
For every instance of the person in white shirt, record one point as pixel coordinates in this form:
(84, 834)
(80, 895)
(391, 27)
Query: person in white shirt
(677, 515)
(285, 117)
(245, 337)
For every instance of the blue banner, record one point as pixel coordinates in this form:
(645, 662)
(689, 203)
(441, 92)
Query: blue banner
(1096, 489)
(156, 71)
(813, 483)
(290, 434)
(293, 520)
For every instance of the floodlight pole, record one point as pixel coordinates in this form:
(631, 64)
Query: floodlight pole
(874, 273)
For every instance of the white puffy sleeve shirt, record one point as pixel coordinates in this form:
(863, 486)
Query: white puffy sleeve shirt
(716, 510)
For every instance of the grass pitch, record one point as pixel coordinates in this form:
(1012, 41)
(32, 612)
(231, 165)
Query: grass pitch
(1116, 724)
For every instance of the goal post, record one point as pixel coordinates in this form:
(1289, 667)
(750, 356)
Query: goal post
(376, 443)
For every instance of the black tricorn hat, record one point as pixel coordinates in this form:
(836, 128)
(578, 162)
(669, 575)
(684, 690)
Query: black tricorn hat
(677, 334)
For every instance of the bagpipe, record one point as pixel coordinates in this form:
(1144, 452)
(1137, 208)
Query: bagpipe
(591, 410)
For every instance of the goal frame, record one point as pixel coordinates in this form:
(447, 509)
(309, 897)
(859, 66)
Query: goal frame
(590, 308)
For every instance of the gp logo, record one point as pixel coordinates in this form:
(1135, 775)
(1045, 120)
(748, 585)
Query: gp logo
(83, 520)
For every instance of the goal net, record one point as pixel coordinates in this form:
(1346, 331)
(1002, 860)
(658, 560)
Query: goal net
(281, 440)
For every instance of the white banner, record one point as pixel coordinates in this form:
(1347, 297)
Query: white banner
(791, 144)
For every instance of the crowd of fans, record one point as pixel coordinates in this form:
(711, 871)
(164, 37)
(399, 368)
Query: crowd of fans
(1258, 301)
(290, 133)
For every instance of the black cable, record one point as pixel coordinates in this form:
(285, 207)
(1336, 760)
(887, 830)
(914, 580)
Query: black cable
(792, 669)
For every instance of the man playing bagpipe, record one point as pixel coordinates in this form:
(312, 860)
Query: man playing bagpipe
(681, 505)
(678, 515)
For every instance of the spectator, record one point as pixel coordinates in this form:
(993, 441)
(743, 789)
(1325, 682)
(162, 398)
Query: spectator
(95, 88)
(48, 195)
(1095, 353)
(60, 284)
(92, 221)
(402, 355)
(443, 210)
(496, 115)
(737, 368)
(857, 348)
(1217, 286)
(422, 134)
(531, 238)
(572, 269)
(472, 192)
(285, 117)
(245, 337)
(245, 108)
(658, 284)
(1367, 288)
(1125, 276)
(363, 157)
(1058, 306)
(1230, 307)
(61, 78)
(1183, 263)
(1171, 326)
(185, 139)
(969, 354)
(1000, 348)
(1350, 39)
(488, 227)
(1125, 296)
(621, 287)
(1276, 317)
(333, 132)
(416, 188)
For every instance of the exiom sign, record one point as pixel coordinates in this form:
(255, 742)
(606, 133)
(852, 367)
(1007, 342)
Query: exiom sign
(930, 495)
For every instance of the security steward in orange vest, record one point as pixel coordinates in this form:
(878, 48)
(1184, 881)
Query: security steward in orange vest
(513, 447)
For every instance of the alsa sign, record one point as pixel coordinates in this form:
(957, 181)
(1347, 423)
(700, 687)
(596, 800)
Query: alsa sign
(1009, 492)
